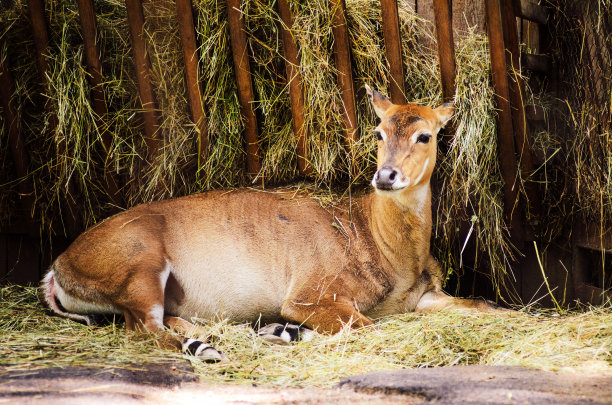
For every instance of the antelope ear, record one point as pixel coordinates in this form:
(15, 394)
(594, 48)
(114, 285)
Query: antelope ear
(444, 113)
(380, 103)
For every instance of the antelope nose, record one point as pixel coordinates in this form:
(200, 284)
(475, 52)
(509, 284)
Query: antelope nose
(385, 178)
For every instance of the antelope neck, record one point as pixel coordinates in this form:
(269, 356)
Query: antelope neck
(401, 225)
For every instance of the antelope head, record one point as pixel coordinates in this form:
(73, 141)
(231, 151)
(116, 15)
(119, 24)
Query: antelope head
(407, 143)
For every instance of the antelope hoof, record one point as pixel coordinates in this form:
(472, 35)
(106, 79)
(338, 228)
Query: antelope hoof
(204, 351)
(285, 334)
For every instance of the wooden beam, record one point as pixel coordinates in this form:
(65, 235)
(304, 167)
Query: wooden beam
(246, 95)
(41, 43)
(505, 131)
(393, 50)
(135, 17)
(446, 47)
(13, 129)
(530, 36)
(443, 16)
(342, 54)
(536, 63)
(89, 29)
(294, 78)
(531, 11)
(41, 38)
(188, 37)
(517, 103)
(535, 113)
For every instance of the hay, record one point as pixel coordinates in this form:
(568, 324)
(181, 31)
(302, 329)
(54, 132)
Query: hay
(31, 339)
(471, 185)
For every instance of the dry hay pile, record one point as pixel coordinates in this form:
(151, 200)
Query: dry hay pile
(30, 339)
(471, 186)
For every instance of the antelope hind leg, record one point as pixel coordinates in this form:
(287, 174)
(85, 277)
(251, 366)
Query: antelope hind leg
(285, 334)
(148, 323)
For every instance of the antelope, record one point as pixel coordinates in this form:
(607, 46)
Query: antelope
(248, 255)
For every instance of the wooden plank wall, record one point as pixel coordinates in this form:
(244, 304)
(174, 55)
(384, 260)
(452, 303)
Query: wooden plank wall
(194, 90)
(246, 94)
(24, 258)
(149, 113)
(466, 13)
(342, 56)
(296, 92)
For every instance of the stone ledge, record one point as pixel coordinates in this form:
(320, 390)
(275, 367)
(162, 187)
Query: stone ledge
(488, 385)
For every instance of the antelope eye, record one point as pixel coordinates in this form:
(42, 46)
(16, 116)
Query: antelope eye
(378, 135)
(423, 138)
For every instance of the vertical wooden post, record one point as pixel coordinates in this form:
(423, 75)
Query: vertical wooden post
(342, 53)
(41, 42)
(94, 66)
(18, 149)
(446, 47)
(41, 38)
(393, 50)
(517, 102)
(135, 18)
(188, 37)
(246, 95)
(508, 165)
(89, 29)
(294, 79)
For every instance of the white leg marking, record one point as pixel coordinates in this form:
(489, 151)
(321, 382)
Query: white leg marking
(157, 314)
(422, 172)
(210, 354)
(163, 276)
(204, 351)
(285, 336)
(201, 348)
(187, 343)
(307, 335)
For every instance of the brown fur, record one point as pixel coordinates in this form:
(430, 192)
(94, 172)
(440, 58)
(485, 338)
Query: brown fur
(248, 254)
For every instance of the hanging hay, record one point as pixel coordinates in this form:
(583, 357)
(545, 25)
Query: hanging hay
(584, 33)
(470, 191)
(30, 339)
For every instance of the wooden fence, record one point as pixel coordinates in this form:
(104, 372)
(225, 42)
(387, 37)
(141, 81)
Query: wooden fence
(501, 21)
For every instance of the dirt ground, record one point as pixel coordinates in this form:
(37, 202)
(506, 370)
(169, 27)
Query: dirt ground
(122, 387)
(176, 384)
(96, 392)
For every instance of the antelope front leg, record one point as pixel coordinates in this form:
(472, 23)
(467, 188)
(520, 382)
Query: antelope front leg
(433, 301)
(328, 314)
(285, 334)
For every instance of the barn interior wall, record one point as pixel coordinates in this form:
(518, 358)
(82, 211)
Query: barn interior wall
(565, 261)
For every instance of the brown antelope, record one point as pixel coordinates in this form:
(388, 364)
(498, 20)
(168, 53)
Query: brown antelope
(249, 255)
